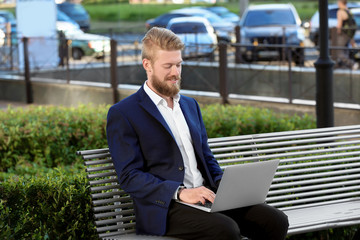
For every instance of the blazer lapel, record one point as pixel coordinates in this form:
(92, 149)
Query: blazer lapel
(148, 105)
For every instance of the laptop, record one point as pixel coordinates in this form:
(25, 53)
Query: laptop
(242, 185)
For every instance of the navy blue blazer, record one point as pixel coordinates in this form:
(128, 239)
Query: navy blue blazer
(147, 159)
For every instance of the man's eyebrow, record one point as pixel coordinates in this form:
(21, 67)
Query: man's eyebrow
(168, 63)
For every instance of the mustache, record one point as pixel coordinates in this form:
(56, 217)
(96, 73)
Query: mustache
(174, 78)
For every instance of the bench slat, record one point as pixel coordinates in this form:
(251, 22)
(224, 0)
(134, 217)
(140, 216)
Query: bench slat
(111, 200)
(116, 192)
(115, 220)
(114, 213)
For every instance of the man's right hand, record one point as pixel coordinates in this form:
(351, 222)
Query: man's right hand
(195, 195)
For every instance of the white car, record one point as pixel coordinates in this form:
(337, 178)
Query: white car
(197, 34)
(225, 30)
(84, 44)
(332, 20)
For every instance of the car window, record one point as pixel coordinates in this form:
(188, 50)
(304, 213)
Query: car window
(269, 17)
(357, 19)
(212, 18)
(73, 8)
(8, 16)
(188, 27)
(332, 13)
(164, 19)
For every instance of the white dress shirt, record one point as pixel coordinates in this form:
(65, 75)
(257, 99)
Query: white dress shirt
(180, 130)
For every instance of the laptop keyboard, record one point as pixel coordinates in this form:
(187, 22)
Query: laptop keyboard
(207, 204)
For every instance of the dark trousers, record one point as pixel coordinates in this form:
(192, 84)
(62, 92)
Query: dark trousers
(259, 222)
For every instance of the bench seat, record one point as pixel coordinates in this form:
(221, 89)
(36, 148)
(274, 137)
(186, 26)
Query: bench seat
(325, 216)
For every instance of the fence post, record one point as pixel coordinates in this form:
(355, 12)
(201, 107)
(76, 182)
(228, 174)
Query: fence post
(113, 69)
(289, 56)
(29, 93)
(223, 72)
(238, 57)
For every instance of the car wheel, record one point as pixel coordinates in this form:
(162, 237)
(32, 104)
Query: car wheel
(77, 53)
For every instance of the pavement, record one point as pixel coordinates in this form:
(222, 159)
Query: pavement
(4, 104)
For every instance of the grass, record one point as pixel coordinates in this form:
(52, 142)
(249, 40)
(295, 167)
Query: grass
(115, 12)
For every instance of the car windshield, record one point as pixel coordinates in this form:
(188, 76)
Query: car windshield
(8, 16)
(212, 18)
(73, 8)
(188, 27)
(63, 17)
(269, 17)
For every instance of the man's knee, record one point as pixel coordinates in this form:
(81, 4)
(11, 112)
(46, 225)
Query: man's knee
(226, 229)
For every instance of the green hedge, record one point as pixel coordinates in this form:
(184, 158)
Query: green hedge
(52, 206)
(49, 136)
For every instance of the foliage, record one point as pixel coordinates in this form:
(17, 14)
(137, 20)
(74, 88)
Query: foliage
(231, 120)
(53, 206)
(49, 136)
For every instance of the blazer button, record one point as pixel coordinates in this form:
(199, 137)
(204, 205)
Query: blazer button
(181, 168)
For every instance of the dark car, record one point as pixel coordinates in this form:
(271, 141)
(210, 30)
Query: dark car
(162, 20)
(271, 24)
(77, 13)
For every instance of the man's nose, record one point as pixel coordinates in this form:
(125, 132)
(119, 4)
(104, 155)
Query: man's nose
(175, 70)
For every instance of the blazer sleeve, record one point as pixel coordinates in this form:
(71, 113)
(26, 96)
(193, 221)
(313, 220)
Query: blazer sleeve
(130, 163)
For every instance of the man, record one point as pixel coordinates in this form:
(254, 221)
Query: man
(158, 144)
(342, 38)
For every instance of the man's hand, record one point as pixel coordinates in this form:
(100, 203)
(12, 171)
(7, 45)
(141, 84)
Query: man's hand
(195, 195)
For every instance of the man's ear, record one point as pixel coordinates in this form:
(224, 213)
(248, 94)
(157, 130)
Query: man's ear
(147, 65)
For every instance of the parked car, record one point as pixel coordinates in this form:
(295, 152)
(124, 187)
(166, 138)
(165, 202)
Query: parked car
(197, 34)
(162, 20)
(84, 44)
(269, 24)
(2, 33)
(332, 20)
(355, 54)
(225, 30)
(77, 13)
(62, 17)
(224, 13)
(9, 18)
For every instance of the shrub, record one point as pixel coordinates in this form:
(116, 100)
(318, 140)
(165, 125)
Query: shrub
(49, 136)
(231, 120)
(53, 206)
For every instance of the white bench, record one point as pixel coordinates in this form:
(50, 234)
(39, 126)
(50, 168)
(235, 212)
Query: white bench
(317, 183)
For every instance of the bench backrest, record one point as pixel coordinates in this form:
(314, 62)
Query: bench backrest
(316, 165)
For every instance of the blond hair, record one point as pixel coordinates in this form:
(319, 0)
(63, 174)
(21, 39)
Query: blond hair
(159, 38)
(343, 1)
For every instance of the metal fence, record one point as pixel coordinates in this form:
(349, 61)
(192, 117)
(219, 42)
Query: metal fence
(226, 55)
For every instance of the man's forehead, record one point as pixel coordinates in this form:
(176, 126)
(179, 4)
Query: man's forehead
(170, 57)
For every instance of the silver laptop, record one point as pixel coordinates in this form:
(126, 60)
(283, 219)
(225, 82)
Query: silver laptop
(242, 185)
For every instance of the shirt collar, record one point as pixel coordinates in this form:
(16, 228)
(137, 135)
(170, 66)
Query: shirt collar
(155, 97)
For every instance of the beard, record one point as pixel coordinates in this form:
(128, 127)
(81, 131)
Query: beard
(163, 88)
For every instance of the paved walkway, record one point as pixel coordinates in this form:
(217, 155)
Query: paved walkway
(5, 104)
